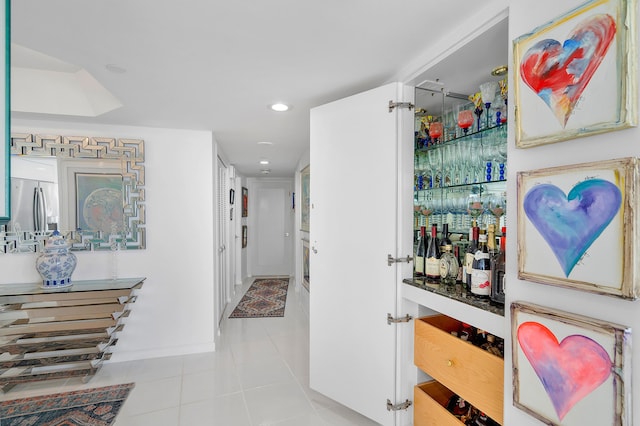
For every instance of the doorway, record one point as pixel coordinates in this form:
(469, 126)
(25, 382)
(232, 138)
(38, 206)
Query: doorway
(221, 273)
(270, 217)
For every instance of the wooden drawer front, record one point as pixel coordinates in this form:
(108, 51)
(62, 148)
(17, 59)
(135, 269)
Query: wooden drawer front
(473, 373)
(430, 400)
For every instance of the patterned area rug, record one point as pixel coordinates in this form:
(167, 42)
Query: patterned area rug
(266, 297)
(89, 407)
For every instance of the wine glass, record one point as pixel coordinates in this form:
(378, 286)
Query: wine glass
(497, 206)
(476, 98)
(465, 120)
(426, 211)
(475, 205)
(435, 131)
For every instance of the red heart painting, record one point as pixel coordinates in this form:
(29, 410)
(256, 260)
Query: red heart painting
(559, 73)
(569, 370)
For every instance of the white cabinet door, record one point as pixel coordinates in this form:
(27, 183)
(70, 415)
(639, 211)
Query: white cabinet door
(353, 227)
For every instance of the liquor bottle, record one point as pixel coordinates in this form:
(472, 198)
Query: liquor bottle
(497, 271)
(448, 261)
(432, 257)
(470, 256)
(481, 270)
(421, 249)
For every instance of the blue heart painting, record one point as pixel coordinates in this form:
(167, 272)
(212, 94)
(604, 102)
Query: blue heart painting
(571, 223)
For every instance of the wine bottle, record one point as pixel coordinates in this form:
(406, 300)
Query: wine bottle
(491, 239)
(481, 270)
(421, 249)
(480, 338)
(497, 271)
(467, 332)
(491, 346)
(458, 406)
(470, 256)
(456, 253)
(432, 257)
(445, 240)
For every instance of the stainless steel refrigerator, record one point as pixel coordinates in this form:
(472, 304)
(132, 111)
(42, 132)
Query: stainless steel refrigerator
(34, 205)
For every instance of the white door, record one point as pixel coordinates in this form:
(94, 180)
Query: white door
(270, 237)
(354, 215)
(221, 274)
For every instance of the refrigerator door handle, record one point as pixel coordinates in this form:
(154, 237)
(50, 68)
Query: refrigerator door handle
(39, 210)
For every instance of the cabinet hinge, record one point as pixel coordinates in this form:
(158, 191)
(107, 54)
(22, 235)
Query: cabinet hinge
(391, 260)
(397, 407)
(393, 105)
(392, 320)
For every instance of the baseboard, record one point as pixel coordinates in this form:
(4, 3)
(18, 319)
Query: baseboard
(161, 353)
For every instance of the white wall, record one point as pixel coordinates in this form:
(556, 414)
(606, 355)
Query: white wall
(523, 17)
(174, 313)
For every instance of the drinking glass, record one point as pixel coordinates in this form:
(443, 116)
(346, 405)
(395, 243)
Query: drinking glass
(488, 91)
(435, 131)
(465, 120)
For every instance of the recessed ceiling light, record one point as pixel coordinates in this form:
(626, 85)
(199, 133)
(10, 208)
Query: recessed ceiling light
(265, 171)
(279, 107)
(265, 143)
(264, 162)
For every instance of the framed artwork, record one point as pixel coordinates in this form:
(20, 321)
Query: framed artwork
(576, 75)
(245, 202)
(99, 202)
(244, 236)
(305, 264)
(569, 369)
(232, 196)
(305, 198)
(577, 226)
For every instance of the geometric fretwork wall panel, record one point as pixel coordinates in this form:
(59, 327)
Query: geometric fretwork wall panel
(129, 152)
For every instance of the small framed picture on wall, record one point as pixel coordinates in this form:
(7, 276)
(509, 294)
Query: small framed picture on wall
(244, 236)
(245, 202)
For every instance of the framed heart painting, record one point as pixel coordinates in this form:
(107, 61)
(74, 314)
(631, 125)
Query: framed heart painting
(570, 369)
(578, 226)
(576, 75)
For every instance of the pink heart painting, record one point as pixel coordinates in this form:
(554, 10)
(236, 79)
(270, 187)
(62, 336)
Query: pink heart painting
(569, 370)
(559, 73)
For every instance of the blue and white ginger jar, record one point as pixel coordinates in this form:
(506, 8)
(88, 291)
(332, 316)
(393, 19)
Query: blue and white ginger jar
(56, 263)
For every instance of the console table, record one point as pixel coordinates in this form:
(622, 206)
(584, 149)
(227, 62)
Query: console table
(50, 334)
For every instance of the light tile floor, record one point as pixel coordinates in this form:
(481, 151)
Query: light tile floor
(258, 376)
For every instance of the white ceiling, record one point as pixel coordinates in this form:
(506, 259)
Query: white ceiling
(217, 65)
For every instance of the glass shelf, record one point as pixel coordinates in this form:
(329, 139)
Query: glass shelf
(477, 135)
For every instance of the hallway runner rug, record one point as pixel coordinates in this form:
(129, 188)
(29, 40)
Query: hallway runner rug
(265, 298)
(95, 407)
